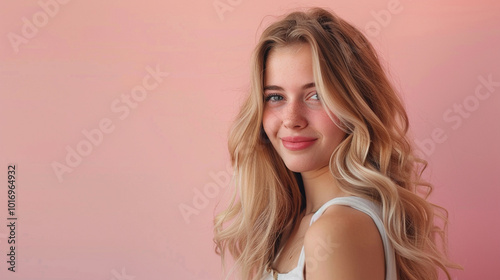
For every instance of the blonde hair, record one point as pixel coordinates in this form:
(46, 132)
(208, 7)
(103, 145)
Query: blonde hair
(375, 160)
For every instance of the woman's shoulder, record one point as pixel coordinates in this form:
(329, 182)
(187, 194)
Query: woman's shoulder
(342, 221)
(342, 240)
(346, 215)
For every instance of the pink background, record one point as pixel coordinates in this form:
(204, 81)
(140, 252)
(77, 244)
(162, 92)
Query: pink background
(117, 214)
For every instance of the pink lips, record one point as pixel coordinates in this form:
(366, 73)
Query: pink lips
(297, 143)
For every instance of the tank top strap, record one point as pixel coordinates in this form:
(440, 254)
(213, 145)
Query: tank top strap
(352, 201)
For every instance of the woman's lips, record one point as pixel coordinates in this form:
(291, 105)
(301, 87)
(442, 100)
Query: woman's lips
(297, 143)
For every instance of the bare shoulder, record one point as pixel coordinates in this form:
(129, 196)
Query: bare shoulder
(344, 243)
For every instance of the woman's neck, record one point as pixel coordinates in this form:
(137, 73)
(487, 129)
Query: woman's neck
(320, 186)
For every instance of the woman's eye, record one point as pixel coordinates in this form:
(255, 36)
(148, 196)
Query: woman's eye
(315, 96)
(274, 97)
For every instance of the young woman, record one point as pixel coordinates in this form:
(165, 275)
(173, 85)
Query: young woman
(326, 178)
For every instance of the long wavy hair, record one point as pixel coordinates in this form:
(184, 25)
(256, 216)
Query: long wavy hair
(375, 161)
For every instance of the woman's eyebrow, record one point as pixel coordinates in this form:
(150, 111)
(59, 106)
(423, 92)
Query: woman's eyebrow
(273, 87)
(309, 85)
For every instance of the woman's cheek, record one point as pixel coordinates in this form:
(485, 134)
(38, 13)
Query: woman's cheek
(270, 122)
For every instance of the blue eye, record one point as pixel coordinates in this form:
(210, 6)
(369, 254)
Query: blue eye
(273, 97)
(315, 96)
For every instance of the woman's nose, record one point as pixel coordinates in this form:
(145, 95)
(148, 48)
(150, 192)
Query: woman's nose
(294, 115)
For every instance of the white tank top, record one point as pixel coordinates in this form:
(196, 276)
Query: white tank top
(358, 203)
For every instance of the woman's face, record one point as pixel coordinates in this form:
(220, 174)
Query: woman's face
(294, 119)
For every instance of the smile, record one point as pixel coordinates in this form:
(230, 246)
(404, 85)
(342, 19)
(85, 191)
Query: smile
(297, 143)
